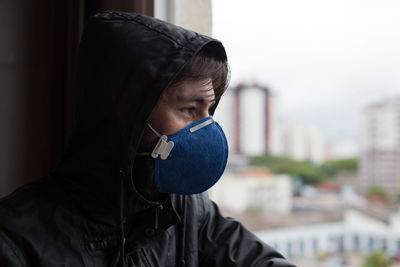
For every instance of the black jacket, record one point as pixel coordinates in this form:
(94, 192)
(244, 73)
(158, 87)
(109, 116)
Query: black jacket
(89, 212)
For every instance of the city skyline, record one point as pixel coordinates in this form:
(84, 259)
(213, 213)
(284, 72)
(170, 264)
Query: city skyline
(325, 60)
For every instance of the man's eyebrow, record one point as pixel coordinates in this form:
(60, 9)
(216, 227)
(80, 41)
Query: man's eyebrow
(195, 98)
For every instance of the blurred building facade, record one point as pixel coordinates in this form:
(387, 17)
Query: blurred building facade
(381, 146)
(355, 232)
(254, 190)
(249, 117)
(301, 142)
(342, 149)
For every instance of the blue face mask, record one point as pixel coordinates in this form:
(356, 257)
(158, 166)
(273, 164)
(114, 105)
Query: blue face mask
(191, 160)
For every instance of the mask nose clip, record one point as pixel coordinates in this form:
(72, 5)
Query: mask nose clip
(162, 148)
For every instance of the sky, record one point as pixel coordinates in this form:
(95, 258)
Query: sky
(324, 60)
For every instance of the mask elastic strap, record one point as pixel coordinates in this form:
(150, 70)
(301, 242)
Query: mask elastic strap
(143, 154)
(154, 130)
(162, 148)
(156, 133)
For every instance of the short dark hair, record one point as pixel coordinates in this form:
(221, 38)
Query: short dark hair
(203, 66)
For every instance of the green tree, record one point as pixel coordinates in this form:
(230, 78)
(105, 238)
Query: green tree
(377, 259)
(304, 170)
(334, 167)
(309, 173)
(378, 191)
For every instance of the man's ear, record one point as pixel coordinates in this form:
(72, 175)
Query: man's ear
(148, 140)
(212, 109)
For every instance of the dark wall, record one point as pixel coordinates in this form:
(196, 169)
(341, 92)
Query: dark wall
(38, 45)
(37, 48)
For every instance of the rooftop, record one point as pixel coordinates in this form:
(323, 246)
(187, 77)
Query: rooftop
(263, 221)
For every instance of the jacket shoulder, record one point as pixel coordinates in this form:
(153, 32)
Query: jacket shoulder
(26, 202)
(10, 255)
(21, 211)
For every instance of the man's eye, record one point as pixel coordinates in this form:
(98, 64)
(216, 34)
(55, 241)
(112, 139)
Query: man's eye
(188, 110)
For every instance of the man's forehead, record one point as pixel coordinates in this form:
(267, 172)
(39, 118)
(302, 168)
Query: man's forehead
(189, 90)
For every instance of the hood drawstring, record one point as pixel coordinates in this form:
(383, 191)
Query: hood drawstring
(182, 262)
(115, 260)
(156, 223)
(122, 220)
(119, 257)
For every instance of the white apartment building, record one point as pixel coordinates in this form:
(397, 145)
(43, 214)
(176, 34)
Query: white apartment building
(341, 149)
(301, 142)
(253, 190)
(380, 158)
(356, 232)
(248, 115)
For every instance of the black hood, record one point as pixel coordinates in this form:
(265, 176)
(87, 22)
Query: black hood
(125, 63)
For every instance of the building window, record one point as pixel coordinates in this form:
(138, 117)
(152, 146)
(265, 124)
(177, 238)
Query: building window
(301, 246)
(398, 245)
(340, 243)
(356, 242)
(315, 244)
(371, 243)
(289, 249)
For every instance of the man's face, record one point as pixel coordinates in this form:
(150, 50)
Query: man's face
(178, 107)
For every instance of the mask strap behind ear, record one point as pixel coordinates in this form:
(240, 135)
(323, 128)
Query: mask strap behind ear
(162, 148)
(154, 131)
(143, 154)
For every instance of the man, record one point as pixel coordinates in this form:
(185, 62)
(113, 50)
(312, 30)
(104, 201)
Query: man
(128, 191)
